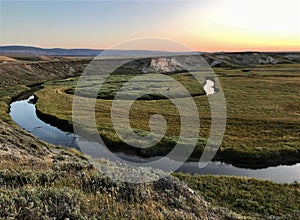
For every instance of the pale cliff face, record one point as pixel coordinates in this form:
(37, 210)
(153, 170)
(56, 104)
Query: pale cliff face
(209, 87)
(163, 65)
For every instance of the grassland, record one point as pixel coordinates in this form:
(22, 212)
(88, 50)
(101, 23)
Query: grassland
(41, 181)
(262, 123)
(249, 197)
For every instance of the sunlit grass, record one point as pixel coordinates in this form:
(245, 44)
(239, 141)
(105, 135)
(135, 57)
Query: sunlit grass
(247, 196)
(263, 116)
(262, 122)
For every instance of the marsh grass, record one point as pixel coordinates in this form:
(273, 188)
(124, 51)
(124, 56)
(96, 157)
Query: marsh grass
(113, 83)
(40, 181)
(262, 114)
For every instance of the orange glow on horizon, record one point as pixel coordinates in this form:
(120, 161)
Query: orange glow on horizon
(206, 26)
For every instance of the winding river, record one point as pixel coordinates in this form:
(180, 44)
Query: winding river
(23, 112)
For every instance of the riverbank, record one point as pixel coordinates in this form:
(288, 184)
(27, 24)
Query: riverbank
(230, 156)
(262, 121)
(38, 180)
(23, 112)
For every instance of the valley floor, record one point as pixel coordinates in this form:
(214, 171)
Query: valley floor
(41, 181)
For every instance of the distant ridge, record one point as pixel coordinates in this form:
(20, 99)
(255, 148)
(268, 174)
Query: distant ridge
(217, 59)
(36, 51)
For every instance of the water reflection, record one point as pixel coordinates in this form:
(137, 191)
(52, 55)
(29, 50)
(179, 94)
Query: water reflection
(24, 114)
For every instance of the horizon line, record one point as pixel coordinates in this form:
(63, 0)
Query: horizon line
(196, 51)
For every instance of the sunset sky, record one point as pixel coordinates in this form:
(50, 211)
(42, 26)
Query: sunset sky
(204, 25)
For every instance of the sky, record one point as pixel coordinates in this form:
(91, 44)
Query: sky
(203, 25)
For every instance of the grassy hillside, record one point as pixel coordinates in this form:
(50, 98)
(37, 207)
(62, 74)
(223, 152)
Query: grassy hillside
(40, 181)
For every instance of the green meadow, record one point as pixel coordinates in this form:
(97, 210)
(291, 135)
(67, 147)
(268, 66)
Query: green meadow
(41, 181)
(262, 114)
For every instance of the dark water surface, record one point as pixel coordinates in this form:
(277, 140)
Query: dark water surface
(24, 114)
